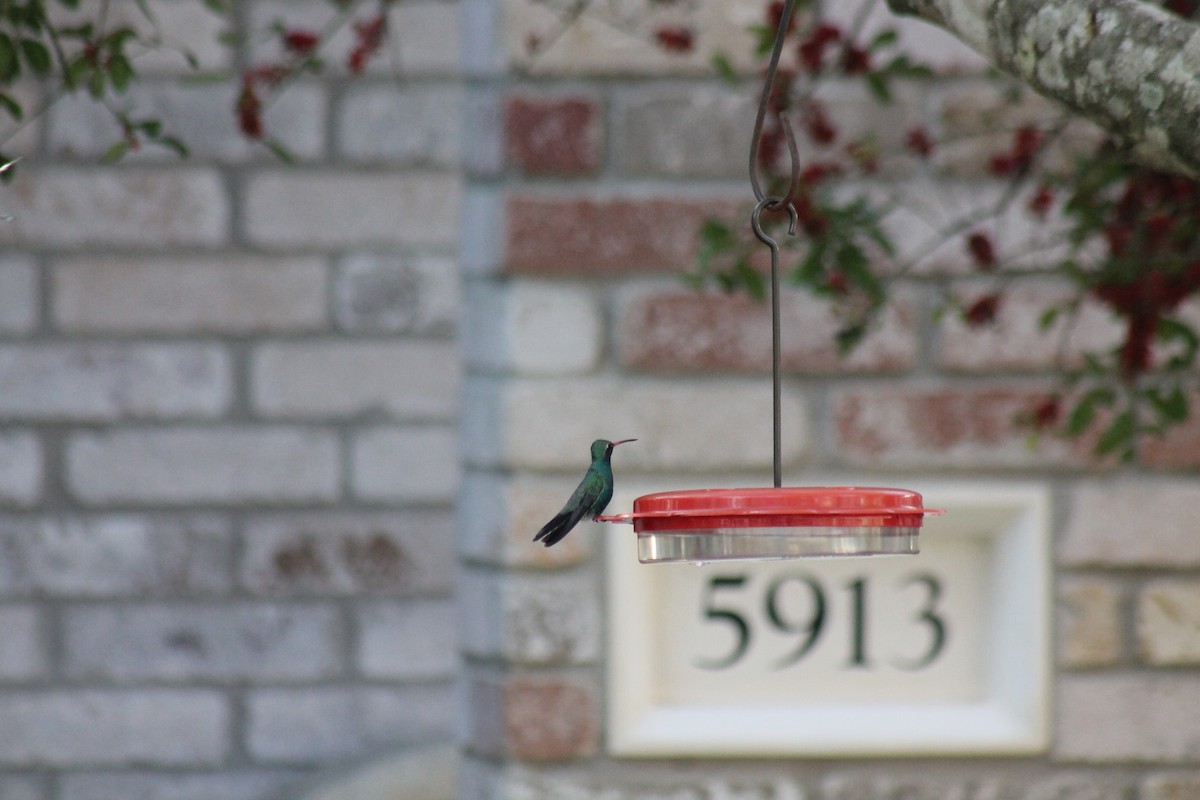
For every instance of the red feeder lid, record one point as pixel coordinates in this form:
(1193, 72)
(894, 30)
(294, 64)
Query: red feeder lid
(814, 506)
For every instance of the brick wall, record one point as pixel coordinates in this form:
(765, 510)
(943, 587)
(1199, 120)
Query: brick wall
(231, 433)
(229, 393)
(588, 170)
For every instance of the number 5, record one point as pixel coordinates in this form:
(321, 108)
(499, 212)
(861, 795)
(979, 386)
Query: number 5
(741, 628)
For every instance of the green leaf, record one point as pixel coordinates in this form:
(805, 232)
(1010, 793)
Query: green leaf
(1118, 436)
(1048, 318)
(750, 279)
(12, 107)
(150, 127)
(884, 38)
(1082, 416)
(115, 42)
(1171, 407)
(724, 68)
(115, 152)
(877, 83)
(173, 143)
(903, 66)
(850, 336)
(280, 151)
(95, 84)
(72, 4)
(716, 236)
(764, 40)
(37, 56)
(10, 67)
(75, 73)
(144, 7)
(83, 31)
(1172, 330)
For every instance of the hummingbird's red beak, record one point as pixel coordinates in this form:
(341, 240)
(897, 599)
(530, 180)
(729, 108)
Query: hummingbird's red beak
(623, 441)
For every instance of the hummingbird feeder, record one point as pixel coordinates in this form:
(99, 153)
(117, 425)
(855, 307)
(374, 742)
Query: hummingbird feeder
(705, 525)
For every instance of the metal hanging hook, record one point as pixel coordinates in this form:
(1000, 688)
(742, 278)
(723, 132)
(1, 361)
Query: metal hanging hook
(781, 203)
(785, 19)
(776, 377)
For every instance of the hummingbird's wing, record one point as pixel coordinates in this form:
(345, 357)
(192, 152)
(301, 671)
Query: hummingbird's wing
(582, 500)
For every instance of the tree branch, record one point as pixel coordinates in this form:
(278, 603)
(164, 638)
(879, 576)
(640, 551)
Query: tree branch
(1127, 65)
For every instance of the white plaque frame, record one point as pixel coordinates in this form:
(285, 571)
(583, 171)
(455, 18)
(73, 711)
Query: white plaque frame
(1012, 717)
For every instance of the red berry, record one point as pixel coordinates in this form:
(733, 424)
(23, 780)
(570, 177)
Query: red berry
(983, 253)
(675, 38)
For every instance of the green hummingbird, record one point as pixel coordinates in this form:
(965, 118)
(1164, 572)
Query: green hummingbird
(588, 499)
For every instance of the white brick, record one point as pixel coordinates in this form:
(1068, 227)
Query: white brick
(423, 36)
(427, 36)
(686, 425)
(1171, 786)
(406, 464)
(19, 295)
(332, 724)
(181, 25)
(23, 653)
(688, 132)
(1089, 623)
(402, 123)
(114, 556)
(533, 328)
(1016, 340)
(598, 44)
(393, 553)
(530, 619)
(1168, 622)
(256, 643)
(82, 727)
(1132, 522)
(113, 381)
(20, 469)
(552, 330)
(394, 294)
(228, 784)
(128, 207)
(1126, 717)
(414, 640)
(202, 116)
(407, 379)
(204, 465)
(324, 209)
(189, 295)
(22, 787)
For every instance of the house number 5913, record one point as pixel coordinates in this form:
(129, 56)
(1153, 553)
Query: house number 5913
(723, 602)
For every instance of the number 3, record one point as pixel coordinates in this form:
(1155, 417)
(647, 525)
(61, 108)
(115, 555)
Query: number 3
(928, 614)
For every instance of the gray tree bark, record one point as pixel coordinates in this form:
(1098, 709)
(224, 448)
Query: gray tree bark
(1129, 66)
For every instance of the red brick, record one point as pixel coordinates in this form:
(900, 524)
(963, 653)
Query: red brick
(1179, 447)
(897, 427)
(692, 331)
(534, 719)
(550, 720)
(549, 235)
(553, 135)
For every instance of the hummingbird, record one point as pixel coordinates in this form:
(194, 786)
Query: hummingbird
(588, 499)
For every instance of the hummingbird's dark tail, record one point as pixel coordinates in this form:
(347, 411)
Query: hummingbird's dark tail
(554, 530)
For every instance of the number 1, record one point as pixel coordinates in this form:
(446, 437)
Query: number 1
(858, 627)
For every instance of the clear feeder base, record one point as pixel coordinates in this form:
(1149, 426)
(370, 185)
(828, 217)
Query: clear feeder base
(767, 544)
